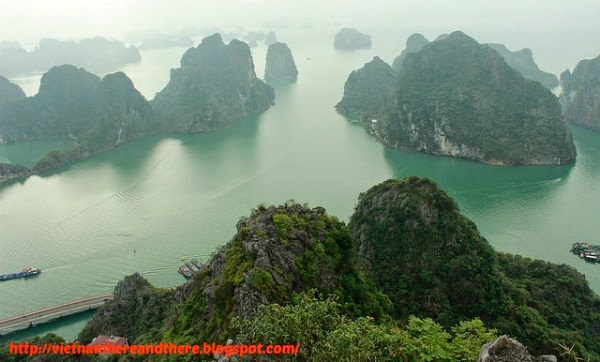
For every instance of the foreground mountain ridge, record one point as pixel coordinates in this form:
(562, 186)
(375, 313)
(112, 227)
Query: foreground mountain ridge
(303, 260)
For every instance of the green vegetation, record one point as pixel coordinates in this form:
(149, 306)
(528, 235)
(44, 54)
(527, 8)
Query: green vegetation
(368, 91)
(459, 98)
(409, 279)
(425, 255)
(433, 262)
(325, 333)
(550, 305)
(73, 103)
(215, 86)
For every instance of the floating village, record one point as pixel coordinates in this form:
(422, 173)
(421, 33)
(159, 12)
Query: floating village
(587, 252)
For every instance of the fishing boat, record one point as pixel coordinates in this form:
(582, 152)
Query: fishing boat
(185, 271)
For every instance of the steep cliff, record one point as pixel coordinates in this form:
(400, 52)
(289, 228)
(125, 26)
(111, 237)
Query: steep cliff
(523, 62)
(9, 92)
(368, 92)
(215, 86)
(580, 95)
(351, 39)
(280, 65)
(459, 98)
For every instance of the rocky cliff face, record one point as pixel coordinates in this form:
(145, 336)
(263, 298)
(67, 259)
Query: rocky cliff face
(414, 43)
(136, 309)
(368, 92)
(580, 95)
(459, 98)
(506, 349)
(215, 86)
(523, 62)
(280, 65)
(9, 92)
(351, 39)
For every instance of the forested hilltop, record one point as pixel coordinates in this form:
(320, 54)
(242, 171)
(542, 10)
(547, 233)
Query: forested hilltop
(459, 98)
(408, 279)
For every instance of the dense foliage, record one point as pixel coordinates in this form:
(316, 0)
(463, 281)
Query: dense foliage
(215, 86)
(459, 98)
(425, 255)
(410, 279)
(549, 305)
(325, 333)
(368, 91)
(581, 94)
(433, 262)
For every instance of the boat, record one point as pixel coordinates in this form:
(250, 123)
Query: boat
(27, 272)
(188, 269)
(192, 267)
(586, 251)
(198, 264)
(185, 271)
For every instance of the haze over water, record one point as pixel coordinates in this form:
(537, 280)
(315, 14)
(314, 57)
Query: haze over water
(143, 206)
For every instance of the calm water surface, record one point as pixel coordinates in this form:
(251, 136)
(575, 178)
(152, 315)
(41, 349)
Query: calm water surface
(143, 206)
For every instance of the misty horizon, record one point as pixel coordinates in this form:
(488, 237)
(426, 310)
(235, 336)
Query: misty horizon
(559, 34)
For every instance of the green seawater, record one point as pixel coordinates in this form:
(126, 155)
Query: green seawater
(144, 205)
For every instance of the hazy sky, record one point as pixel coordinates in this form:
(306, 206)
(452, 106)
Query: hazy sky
(543, 25)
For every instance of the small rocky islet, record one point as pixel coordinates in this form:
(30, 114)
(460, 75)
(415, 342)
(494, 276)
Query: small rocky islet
(280, 65)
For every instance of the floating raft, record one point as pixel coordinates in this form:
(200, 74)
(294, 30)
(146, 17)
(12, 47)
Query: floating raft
(587, 252)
